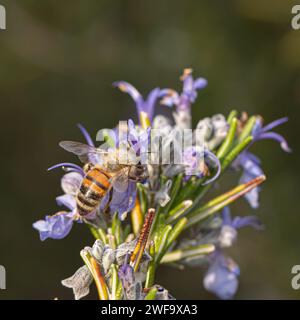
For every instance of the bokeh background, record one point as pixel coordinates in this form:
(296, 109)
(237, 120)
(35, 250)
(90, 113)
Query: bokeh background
(58, 60)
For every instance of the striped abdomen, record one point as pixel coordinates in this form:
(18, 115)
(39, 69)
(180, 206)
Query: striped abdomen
(93, 187)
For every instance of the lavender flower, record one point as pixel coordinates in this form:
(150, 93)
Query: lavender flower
(250, 164)
(222, 276)
(143, 106)
(228, 232)
(261, 133)
(184, 100)
(189, 94)
(59, 225)
(198, 161)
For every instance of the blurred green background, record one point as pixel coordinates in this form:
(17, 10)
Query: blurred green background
(58, 60)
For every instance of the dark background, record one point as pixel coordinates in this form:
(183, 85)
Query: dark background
(57, 62)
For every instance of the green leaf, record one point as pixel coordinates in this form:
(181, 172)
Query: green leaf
(179, 211)
(162, 242)
(221, 201)
(151, 295)
(246, 132)
(232, 115)
(181, 254)
(228, 142)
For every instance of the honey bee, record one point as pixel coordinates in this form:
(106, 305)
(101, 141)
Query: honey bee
(102, 177)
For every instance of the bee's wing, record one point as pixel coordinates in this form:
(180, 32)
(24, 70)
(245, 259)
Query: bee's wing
(120, 180)
(82, 150)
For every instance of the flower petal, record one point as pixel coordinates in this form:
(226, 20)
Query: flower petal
(67, 200)
(170, 97)
(56, 227)
(222, 277)
(274, 124)
(131, 90)
(200, 83)
(149, 104)
(69, 166)
(71, 182)
(277, 137)
(86, 135)
(121, 202)
(253, 195)
(226, 215)
(252, 221)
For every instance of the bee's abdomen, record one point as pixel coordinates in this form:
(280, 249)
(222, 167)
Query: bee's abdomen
(93, 187)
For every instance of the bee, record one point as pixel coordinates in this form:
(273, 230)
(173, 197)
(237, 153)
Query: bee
(102, 177)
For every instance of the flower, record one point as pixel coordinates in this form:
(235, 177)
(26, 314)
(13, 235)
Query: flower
(59, 225)
(126, 275)
(221, 277)
(250, 164)
(228, 232)
(261, 133)
(189, 94)
(142, 105)
(138, 139)
(211, 131)
(183, 101)
(198, 160)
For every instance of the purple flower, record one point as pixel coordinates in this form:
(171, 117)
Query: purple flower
(250, 164)
(198, 161)
(126, 275)
(228, 232)
(189, 94)
(261, 133)
(122, 201)
(221, 277)
(147, 106)
(59, 225)
(138, 139)
(251, 167)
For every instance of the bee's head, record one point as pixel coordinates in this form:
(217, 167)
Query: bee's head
(138, 173)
